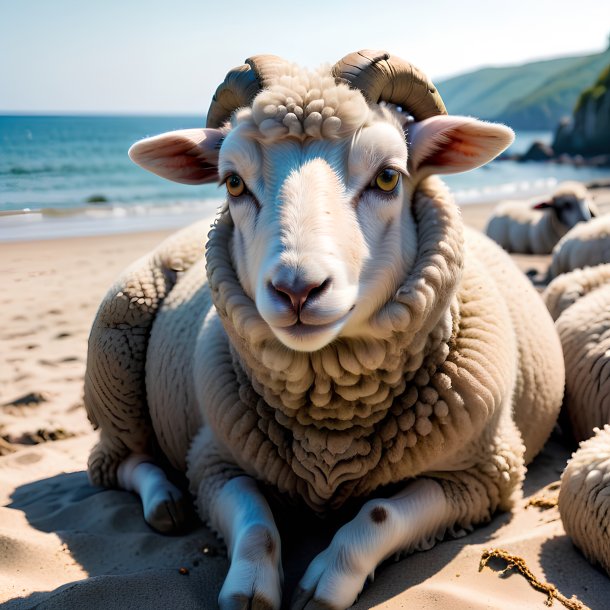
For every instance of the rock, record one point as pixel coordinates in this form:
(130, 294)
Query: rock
(97, 199)
(538, 151)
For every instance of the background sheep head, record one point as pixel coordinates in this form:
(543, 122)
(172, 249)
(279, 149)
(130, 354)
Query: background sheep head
(571, 204)
(320, 175)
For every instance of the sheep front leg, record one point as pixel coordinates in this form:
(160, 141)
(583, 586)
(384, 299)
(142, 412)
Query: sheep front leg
(243, 517)
(411, 520)
(383, 527)
(233, 505)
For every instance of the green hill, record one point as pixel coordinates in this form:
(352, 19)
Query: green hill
(535, 95)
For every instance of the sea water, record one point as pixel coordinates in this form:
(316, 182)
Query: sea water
(52, 167)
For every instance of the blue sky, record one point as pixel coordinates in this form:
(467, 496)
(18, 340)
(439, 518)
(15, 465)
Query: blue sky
(140, 56)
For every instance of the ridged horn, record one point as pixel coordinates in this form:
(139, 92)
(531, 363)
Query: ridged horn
(391, 79)
(240, 87)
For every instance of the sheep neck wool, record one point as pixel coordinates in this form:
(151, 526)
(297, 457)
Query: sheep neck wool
(356, 405)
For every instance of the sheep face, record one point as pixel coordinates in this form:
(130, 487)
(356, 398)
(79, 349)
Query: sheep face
(323, 228)
(319, 186)
(571, 210)
(570, 203)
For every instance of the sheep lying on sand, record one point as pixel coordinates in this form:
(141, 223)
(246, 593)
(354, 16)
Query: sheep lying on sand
(526, 229)
(586, 245)
(584, 498)
(567, 288)
(583, 322)
(350, 334)
(584, 330)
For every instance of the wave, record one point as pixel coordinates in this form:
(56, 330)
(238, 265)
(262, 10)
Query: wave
(52, 223)
(63, 169)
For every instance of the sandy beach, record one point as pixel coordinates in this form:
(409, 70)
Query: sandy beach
(65, 544)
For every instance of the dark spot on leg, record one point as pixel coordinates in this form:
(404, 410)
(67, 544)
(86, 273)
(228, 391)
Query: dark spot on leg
(379, 514)
(269, 544)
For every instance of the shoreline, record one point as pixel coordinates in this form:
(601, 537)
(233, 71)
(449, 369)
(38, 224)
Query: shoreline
(47, 224)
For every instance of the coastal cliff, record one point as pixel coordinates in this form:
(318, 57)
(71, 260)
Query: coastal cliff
(587, 133)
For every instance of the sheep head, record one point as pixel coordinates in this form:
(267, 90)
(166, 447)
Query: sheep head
(571, 203)
(320, 175)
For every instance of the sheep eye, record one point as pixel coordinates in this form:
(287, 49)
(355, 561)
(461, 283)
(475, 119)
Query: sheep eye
(387, 180)
(235, 185)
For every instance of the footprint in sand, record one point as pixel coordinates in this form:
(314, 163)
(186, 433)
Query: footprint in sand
(56, 363)
(32, 398)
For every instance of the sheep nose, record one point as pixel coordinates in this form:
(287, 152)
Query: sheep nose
(298, 292)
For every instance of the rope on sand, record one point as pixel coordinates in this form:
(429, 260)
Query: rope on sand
(518, 563)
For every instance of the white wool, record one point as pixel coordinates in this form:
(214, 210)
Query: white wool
(585, 245)
(301, 103)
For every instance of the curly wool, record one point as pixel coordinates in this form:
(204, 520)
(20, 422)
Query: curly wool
(584, 499)
(567, 288)
(114, 391)
(360, 414)
(585, 245)
(356, 399)
(584, 330)
(300, 104)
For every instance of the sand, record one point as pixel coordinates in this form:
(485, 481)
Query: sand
(65, 544)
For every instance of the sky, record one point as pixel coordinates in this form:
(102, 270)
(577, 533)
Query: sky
(167, 57)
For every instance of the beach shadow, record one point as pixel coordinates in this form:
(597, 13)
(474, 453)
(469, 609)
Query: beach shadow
(568, 569)
(548, 465)
(104, 531)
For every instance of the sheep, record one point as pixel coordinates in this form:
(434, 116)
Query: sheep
(584, 331)
(347, 332)
(527, 229)
(580, 304)
(586, 245)
(567, 288)
(584, 498)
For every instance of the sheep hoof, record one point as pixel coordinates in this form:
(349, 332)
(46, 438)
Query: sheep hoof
(164, 505)
(302, 600)
(254, 580)
(167, 513)
(329, 584)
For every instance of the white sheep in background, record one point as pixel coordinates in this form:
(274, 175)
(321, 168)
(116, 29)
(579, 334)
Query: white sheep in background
(584, 498)
(567, 288)
(584, 330)
(535, 228)
(586, 245)
(582, 314)
(350, 334)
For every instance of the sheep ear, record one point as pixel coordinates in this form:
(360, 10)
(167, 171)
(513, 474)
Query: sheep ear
(189, 156)
(543, 205)
(450, 144)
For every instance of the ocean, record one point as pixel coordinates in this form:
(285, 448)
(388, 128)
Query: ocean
(51, 167)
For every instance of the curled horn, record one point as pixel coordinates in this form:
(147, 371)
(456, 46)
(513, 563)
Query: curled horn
(240, 87)
(390, 79)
